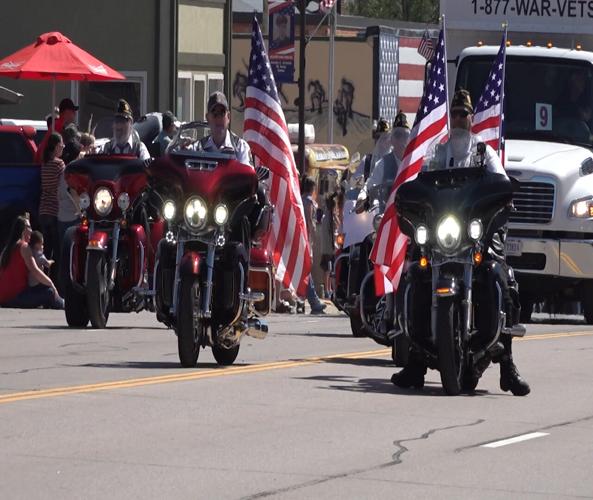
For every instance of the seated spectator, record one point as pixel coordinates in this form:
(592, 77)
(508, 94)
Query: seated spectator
(17, 264)
(87, 141)
(72, 151)
(43, 263)
(168, 133)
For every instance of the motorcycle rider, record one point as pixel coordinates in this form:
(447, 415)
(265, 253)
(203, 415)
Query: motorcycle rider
(460, 151)
(385, 169)
(381, 178)
(125, 140)
(219, 117)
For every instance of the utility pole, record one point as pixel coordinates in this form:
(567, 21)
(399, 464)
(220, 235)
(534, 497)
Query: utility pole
(302, 47)
(330, 99)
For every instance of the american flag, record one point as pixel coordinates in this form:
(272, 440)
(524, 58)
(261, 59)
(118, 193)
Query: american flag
(326, 5)
(267, 134)
(488, 112)
(426, 46)
(431, 124)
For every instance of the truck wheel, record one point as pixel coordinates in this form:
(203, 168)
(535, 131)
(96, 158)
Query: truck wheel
(97, 294)
(189, 329)
(356, 326)
(225, 357)
(527, 304)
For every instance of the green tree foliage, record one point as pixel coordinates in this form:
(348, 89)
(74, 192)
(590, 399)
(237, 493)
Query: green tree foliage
(421, 11)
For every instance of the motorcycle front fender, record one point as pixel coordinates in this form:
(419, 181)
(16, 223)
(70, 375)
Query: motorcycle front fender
(190, 264)
(98, 240)
(137, 248)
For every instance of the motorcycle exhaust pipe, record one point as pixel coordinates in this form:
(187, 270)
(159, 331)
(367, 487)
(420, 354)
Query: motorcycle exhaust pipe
(256, 328)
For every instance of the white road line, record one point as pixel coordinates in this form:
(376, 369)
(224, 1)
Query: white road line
(516, 439)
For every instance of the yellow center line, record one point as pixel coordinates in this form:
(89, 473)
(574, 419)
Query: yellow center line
(223, 372)
(181, 377)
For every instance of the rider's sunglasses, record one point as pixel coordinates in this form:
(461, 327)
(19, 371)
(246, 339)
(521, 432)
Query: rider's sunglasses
(459, 113)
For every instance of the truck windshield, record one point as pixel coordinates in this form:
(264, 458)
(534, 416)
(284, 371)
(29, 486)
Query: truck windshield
(545, 99)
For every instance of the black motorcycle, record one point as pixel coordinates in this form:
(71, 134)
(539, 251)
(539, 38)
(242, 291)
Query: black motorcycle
(455, 293)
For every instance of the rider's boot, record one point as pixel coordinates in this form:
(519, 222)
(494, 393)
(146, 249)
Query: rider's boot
(413, 373)
(510, 379)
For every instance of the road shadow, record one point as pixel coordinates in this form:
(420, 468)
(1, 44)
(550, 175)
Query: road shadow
(361, 361)
(320, 335)
(152, 365)
(385, 386)
(90, 329)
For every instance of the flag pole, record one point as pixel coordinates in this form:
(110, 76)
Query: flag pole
(505, 26)
(302, 47)
(446, 65)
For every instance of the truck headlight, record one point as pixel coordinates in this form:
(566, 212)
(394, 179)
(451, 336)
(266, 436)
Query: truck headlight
(475, 229)
(582, 209)
(195, 212)
(84, 201)
(103, 201)
(123, 201)
(221, 214)
(448, 233)
(421, 235)
(169, 210)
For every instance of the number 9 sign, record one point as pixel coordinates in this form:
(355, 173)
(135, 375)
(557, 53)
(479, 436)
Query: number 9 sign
(543, 116)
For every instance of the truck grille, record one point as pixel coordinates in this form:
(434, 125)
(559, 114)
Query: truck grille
(534, 203)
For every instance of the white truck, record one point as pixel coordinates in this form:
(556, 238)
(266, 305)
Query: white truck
(548, 128)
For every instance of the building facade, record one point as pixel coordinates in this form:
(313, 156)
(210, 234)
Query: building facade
(172, 53)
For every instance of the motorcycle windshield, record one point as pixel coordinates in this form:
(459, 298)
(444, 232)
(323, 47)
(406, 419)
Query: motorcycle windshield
(464, 193)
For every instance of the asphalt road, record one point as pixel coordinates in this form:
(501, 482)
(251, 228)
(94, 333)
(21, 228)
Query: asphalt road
(309, 412)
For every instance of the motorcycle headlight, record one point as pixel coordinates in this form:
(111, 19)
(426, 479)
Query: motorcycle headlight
(421, 235)
(169, 210)
(103, 201)
(221, 214)
(84, 201)
(475, 229)
(123, 201)
(448, 233)
(195, 213)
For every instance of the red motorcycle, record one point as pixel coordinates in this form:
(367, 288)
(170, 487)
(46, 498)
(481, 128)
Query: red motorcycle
(107, 259)
(213, 278)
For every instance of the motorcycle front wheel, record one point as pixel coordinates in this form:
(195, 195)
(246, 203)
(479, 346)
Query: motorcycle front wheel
(357, 326)
(450, 352)
(75, 307)
(97, 289)
(189, 328)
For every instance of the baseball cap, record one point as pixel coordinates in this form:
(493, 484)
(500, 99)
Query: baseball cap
(67, 103)
(217, 98)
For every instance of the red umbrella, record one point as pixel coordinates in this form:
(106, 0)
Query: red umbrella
(54, 57)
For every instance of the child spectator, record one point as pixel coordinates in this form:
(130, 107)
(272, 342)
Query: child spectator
(36, 244)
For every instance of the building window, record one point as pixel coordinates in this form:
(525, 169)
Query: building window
(193, 90)
(98, 100)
